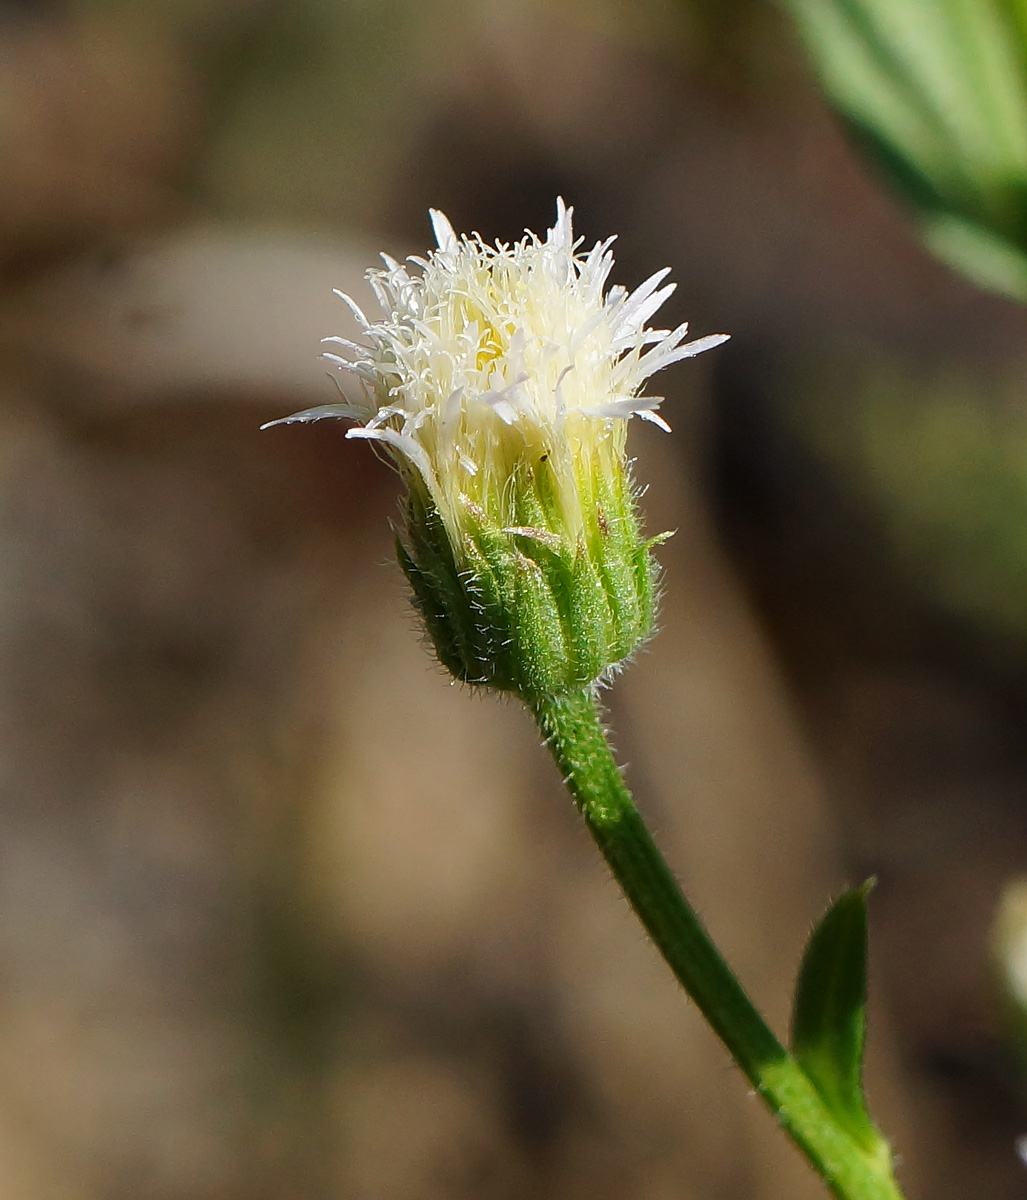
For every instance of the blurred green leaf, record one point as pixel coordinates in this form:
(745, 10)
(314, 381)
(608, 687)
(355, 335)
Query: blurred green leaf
(986, 259)
(829, 1017)
(935, 91)
(935, 456)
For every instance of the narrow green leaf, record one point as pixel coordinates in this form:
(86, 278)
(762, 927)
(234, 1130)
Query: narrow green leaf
(984, 257)
(936, 93)
(829, 1016)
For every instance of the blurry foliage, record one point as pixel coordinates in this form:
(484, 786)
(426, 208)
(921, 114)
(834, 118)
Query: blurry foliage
(1009, 961)
(314, 108)
(303, 119)
(941, 457)
(936, 91)
(318, 111)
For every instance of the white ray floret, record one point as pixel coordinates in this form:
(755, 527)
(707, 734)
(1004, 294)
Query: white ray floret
(488, 358)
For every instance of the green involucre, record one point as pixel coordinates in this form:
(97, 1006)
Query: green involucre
(529, 607)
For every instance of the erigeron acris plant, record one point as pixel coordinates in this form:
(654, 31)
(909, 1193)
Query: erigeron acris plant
(500, 381)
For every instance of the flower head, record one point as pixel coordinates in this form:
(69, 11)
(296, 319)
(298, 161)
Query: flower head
(500, 380)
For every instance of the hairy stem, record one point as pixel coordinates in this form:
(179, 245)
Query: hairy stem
(575, 736)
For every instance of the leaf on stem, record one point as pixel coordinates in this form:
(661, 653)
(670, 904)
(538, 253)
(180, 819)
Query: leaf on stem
(829, 1015)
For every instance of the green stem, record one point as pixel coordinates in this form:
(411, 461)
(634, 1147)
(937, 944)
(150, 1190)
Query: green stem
(575, 735)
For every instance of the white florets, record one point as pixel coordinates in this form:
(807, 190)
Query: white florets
(488, 352)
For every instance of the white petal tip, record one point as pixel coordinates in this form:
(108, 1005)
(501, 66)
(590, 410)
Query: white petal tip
(444, 233)
(654, 418)
(323, 412)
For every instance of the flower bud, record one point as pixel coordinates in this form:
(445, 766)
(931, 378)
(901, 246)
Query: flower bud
(500, 381)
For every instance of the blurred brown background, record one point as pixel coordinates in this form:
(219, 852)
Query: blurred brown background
(283, 913)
